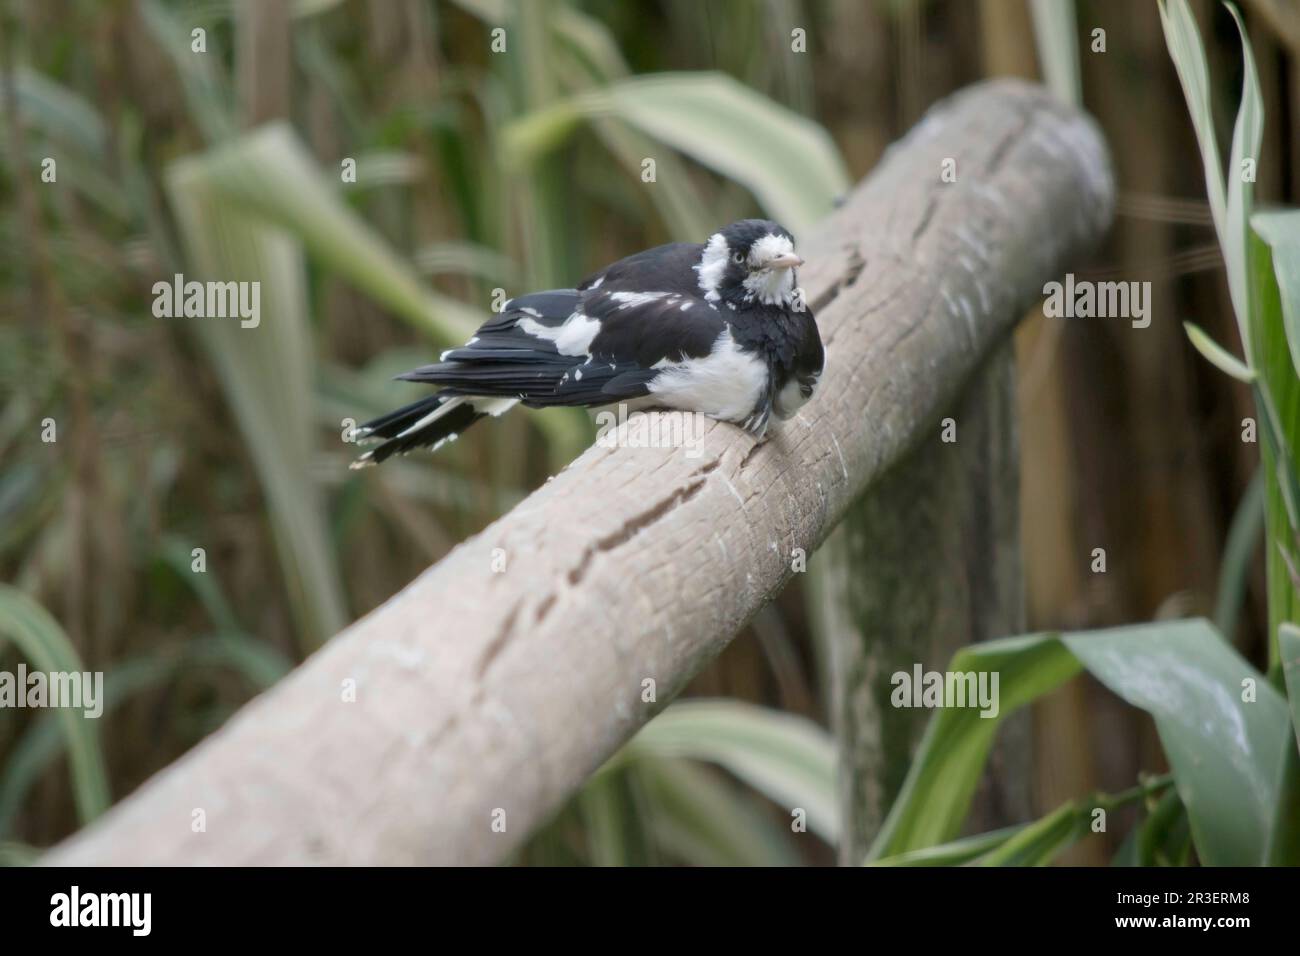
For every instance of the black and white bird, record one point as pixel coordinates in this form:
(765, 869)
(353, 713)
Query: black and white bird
(719, 328)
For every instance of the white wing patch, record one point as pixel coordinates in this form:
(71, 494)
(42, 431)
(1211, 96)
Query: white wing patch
(571, 337)
(627, 300)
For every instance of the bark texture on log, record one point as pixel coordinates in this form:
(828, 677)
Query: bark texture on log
(484, 699)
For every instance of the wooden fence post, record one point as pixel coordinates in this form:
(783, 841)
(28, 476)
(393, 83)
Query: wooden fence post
(927, 560)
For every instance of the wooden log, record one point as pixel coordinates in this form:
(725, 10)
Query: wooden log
(484, 698)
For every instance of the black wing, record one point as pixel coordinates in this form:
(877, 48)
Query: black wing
(588, 346)
(668, 268)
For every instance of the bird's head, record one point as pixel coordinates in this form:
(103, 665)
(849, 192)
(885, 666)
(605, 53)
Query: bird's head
(751, 261)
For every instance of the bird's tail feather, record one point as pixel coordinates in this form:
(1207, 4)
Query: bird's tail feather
(424, 424)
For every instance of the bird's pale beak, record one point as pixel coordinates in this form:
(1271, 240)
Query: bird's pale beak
(787, 261)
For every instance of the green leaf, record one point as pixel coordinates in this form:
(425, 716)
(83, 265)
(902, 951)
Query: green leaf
(41, 641)
(1284, 841)
(1230, 207)
(1226, 753)
(788, 162)
(1246, 135)
(1037, 843)
(266, 371)
(535, 134)
(1127, 854)
(42, 744)
(1217, 355)
(466, 258)
(592, 58)
(1184, 42)
(1162, 838)
(612, 818)
(1281, 230)
(311, 8)
(589, 42)
(203, 80)
(935, 796)
(696, 817)
(953, 853)
(62, 114)
(1278, 452)
(789, 759)
(1239, 552)
(1040, 842)
(1277, 400)
(269, 176)
(1284, 833)
(1056, 34)
(491, 12)
(387, 167)
(1257, 291)
(176, 554)
(1288, 639)
(676, 196)
(18, 854)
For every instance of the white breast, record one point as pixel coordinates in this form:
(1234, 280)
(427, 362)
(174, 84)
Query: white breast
(725, 384)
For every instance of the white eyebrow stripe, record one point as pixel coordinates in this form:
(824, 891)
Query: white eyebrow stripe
(713, 265)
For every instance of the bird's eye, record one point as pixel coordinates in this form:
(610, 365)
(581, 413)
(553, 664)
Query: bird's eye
(738, 258)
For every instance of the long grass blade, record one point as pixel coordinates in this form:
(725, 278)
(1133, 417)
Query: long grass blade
(787, 758)
(41, 640)
(1056, 33)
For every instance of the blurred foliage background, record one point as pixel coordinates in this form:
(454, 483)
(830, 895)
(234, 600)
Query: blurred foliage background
(478, 170)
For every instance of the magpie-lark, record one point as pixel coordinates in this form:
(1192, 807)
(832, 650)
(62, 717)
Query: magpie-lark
(718, 328)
